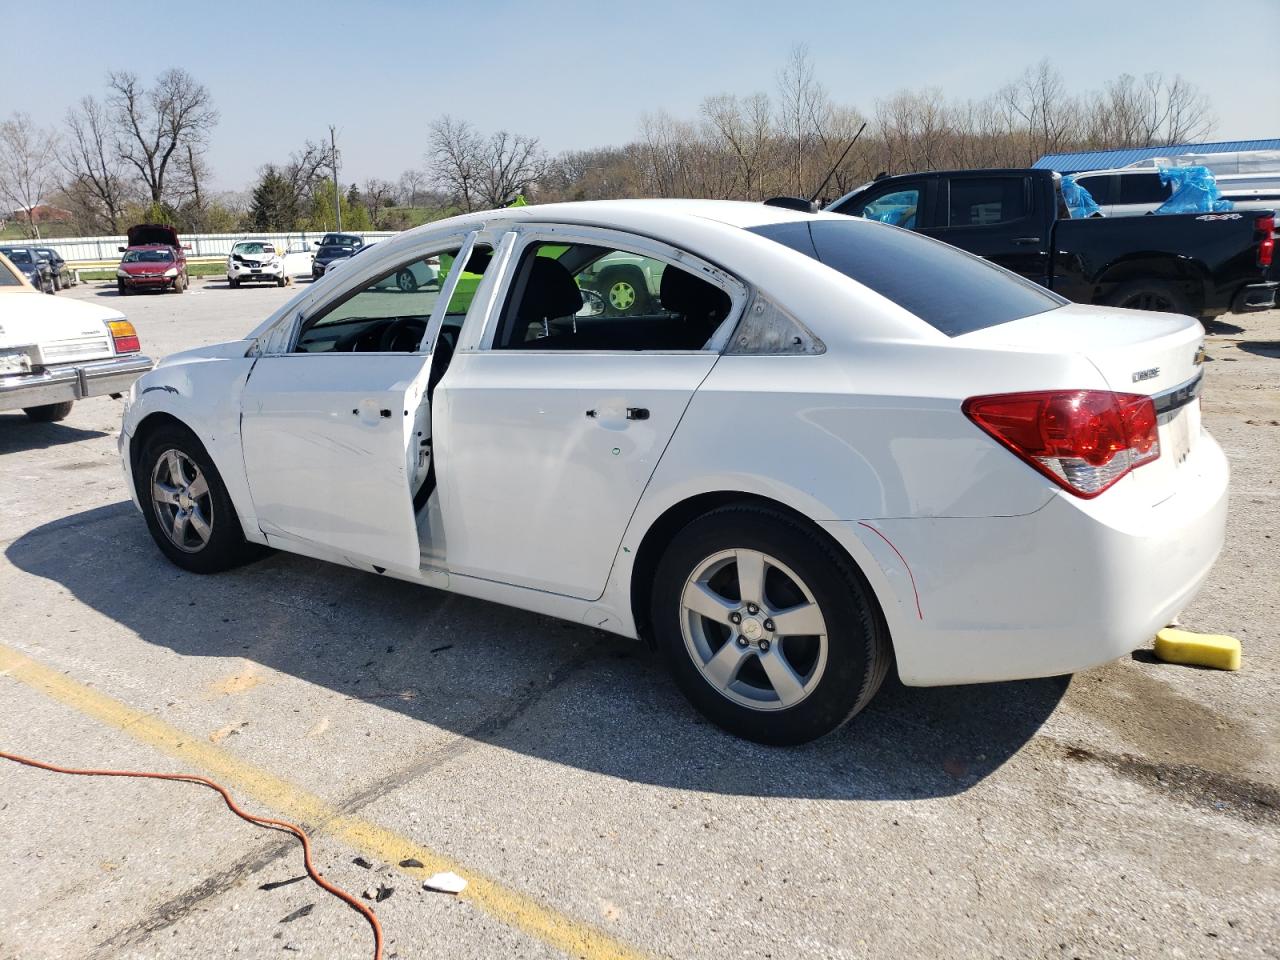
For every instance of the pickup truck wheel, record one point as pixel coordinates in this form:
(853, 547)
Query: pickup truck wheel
(624, 292)
(1150, 295)
(769, 631)
(188, 511)
(48, 412)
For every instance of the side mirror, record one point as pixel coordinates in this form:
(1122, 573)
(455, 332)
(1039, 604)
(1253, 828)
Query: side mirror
(122, 249)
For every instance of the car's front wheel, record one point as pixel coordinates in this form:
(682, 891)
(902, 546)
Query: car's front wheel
(770, 632)
(188, 510)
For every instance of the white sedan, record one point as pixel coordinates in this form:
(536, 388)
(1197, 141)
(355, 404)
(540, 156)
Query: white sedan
(828, 445)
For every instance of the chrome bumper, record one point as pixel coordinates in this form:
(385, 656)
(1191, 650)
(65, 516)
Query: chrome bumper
(72, 381)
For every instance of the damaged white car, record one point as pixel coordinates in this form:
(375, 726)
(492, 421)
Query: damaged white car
(821, 446)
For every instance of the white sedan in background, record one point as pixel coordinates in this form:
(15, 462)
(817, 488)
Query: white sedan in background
(827, 445)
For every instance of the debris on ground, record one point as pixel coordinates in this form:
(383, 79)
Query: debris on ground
(299, 913)
(362, 863)
(447, 882)
(410, 863)
(276, 884)
(1198, 649)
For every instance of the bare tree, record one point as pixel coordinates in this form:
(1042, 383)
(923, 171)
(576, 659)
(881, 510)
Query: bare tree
(411, 185)
(455, 150)
(744, 127)
(477, 172)
(802, 98)
(27, 158)
(155, 125)
(1040, 100)
(91, 163)
(306, 170)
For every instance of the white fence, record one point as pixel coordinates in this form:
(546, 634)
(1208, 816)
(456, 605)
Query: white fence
(199, 244)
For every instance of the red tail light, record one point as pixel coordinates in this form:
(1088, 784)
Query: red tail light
(1267, 248)
(125, 337)
(1082, 440)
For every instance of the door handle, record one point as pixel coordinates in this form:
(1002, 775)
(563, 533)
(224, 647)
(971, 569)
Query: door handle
(1022, 241)
(591, 414)
(637, 413)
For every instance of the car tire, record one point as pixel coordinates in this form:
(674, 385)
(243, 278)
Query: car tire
(281, 281)
(121, 288)
(1151, 295)
(624, 290)
(57, 283)
(728, 670)
(48, 412)
(406, 282)
(214, 544)
(180, 284)
(232, 283)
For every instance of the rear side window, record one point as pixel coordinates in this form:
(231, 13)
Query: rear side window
(1143, 188)
(987, 201)
(1099, 188)
(952, 291)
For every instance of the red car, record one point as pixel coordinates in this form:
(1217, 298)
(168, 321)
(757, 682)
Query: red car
(154, 260)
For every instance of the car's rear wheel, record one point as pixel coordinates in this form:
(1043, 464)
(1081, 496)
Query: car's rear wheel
(48, 412)
(1151, 295)
(406, 281)
(188, 511)
(769, 631)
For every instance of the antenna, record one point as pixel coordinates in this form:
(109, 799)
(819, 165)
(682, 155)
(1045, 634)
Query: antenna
(831, 173)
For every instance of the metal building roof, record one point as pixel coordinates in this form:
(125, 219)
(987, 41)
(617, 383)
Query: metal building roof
(1106, 159)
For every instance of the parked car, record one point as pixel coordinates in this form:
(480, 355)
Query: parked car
(1204, 265)
(255, 261)
(407, 280)
(54, 352)
(37, 272)
(1249, 179)
(154, 260)
(831, 445)
(331, 247)
(63, 275)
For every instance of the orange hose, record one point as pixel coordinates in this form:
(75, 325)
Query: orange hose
(285, 825)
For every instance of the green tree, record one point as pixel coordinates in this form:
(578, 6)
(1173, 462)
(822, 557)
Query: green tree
(321, 215)
(273, 205)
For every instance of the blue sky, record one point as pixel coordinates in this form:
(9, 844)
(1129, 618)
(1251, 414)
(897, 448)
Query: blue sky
(581, 74)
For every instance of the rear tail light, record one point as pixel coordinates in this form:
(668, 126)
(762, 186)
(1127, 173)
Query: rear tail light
(1267, 248)
(124, 336)
(1082, 440)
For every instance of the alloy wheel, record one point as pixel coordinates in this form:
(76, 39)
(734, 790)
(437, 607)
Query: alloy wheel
(753, 629)
(182, 501)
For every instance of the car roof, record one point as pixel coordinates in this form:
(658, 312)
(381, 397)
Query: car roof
(152, 246)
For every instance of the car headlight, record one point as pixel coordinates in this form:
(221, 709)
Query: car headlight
(171, 272)
(122, 274)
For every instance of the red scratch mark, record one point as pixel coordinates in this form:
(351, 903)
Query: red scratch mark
(919, 612)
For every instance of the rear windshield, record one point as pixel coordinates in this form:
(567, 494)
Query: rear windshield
(952, 291)
(147, 256)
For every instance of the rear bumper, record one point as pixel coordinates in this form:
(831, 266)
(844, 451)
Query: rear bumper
(73, 381)
(1255, 296)
(1074, 585)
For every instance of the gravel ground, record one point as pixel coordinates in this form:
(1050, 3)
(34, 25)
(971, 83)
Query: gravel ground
(1129, 811)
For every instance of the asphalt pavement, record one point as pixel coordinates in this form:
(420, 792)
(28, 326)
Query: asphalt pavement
(1129, 811)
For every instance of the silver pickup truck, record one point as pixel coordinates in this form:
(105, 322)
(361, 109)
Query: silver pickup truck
(54, 351)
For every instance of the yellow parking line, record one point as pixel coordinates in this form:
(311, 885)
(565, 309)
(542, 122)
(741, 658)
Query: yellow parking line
(509, 906)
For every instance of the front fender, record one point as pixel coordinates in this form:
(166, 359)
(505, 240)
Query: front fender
(202, 390)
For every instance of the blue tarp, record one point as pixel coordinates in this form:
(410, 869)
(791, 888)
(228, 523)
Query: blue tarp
(1194, 191)
(1078, 200)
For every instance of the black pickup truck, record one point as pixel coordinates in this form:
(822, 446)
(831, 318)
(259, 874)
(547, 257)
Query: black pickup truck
(1200, 264)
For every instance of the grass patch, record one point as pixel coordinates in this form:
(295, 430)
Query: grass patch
(218, 269)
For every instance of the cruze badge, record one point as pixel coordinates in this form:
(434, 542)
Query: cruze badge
(1149, 374)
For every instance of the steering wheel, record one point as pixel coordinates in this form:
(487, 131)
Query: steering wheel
(402, 335)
